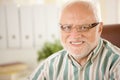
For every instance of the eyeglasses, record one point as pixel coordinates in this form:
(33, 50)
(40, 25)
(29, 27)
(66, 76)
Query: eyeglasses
(80, 28)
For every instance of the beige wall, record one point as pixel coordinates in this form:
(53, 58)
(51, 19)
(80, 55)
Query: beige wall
(109, 8)
(103, 11)
(20, 2)
(110, 11)
(119, 10)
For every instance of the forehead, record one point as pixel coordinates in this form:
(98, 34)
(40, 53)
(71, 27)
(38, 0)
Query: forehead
(78, 12)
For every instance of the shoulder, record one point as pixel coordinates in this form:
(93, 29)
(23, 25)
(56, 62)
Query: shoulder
(61, 53)
(55, 58)
(112, 52)
(48, 64)
(111, 47)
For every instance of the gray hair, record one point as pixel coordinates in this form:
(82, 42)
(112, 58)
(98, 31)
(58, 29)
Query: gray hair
(93, 4)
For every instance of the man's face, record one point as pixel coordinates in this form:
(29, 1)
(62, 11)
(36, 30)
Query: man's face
(79, 44)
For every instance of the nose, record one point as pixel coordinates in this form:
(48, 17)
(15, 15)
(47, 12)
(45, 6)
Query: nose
(76, 28)
(75, 33)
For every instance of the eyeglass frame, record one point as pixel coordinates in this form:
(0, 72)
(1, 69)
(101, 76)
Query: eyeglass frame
(79, 28)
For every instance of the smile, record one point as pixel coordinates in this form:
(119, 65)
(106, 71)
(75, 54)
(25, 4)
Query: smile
(77, 43)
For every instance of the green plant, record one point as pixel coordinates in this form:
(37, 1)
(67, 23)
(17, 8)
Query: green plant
(48, 49)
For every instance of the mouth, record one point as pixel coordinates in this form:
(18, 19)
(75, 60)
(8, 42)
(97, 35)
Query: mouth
(77, 43)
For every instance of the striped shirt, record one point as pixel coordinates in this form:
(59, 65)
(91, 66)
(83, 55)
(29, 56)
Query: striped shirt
(103, 63)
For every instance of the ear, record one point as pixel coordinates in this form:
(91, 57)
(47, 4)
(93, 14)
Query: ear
(100, 28)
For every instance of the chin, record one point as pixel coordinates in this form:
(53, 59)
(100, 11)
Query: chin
(78, 56)
(79, 52)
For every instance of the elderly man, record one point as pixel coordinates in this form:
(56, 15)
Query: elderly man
(86, 56)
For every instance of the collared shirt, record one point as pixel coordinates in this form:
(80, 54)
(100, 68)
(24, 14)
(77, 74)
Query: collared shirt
(103, 63)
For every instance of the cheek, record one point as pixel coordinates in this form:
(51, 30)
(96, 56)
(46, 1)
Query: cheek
(63, 37)
(93, 37)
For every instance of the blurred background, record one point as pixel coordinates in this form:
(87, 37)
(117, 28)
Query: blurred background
(26, 26)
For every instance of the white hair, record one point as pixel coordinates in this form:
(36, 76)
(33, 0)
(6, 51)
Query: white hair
(93, 3)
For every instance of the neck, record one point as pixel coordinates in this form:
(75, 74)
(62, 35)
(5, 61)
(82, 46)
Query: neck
(82, 61)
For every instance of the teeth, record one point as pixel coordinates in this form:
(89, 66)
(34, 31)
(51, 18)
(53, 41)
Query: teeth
(77, 42)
